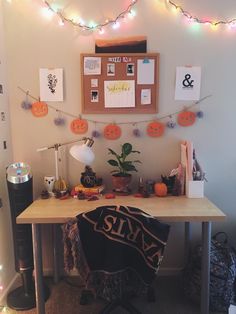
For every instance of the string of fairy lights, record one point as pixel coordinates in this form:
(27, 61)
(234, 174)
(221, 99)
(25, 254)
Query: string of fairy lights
(115, 22)
(193, 18)
(49, 10)
(3, 308)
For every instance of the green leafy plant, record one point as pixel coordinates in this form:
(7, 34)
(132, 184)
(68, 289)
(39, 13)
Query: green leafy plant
(123, 165)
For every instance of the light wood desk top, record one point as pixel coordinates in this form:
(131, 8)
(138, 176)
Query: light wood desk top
(176, 209)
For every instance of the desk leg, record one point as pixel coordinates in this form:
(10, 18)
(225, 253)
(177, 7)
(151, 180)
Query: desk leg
(38, 266)
(55, 254)
(205, 276)
(187, 242)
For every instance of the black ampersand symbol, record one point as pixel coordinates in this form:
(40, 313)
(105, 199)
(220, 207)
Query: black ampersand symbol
(186, 82)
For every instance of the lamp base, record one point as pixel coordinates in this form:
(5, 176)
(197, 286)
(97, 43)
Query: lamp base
(19, 300)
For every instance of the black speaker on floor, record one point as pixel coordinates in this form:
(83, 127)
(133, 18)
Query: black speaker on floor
(20, 190)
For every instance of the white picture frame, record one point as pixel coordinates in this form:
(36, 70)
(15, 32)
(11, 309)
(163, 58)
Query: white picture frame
(51, 84)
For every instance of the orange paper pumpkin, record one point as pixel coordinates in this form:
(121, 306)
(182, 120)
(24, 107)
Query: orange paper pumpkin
(186, 118)
(112, 132)
(79, 126)
(160, 189)
(155, 129)
(39, 109)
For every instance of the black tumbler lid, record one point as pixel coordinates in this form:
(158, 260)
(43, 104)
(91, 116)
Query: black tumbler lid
(18, 172)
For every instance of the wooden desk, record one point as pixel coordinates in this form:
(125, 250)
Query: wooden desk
(169, 209)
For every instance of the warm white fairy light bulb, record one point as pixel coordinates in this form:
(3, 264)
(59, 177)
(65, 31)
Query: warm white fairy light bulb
(1, 267)
(131, 14)
(116, 25)
(101, 31)
(61, 22)
(81, 22)
(47, 13)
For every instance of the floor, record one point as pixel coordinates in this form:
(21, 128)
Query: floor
(65, 298)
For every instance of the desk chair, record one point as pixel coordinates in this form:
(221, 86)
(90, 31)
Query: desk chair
(117, 250)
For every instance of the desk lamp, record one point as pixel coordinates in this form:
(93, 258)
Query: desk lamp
(82, 153)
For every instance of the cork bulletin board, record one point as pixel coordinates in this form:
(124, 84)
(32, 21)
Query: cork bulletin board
(120, 83)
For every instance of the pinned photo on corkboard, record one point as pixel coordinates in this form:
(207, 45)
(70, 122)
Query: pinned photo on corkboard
(130, 69)
(134, 44)
(111, 69)
(94, 96)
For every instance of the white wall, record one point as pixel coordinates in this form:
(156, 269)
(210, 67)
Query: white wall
(34, 42)
(7, 273)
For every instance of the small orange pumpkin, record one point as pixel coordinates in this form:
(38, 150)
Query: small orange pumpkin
(39, 109)
(112, 132)
(186, 118)
(155, 129)
(79, 126)
(160, 189)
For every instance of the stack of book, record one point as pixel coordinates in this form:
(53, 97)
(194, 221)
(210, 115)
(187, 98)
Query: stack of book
(87, 191)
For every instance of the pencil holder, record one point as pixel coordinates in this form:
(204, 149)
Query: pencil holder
(195, 189)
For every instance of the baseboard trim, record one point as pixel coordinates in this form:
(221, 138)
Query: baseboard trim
(11, 286)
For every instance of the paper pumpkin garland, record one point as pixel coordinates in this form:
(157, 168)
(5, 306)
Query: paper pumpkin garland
(155, 129)
(79, 126)
(39, 109)
(186, 118)
(112, 132)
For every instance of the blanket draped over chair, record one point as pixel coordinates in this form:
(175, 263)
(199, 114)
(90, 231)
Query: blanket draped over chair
(116, 249)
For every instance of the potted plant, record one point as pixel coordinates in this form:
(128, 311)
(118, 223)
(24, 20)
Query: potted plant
(121, 175)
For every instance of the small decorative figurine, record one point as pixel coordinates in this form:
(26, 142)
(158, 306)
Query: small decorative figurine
(88, 177)
(49, 183)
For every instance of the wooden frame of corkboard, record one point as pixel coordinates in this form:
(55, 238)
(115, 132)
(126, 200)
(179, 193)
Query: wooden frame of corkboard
(93, 98)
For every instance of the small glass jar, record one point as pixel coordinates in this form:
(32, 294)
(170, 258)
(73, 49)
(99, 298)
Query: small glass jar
(150, 186)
